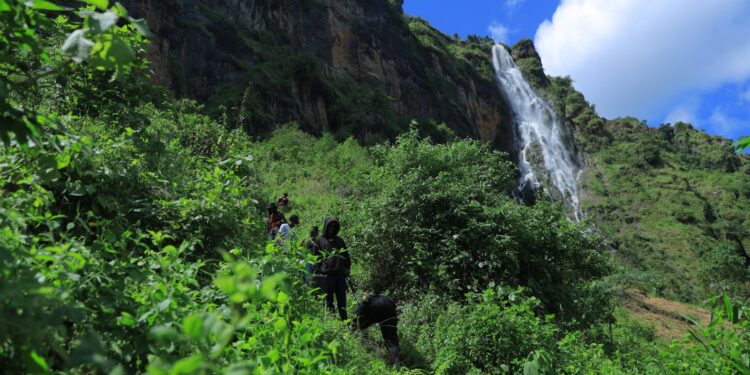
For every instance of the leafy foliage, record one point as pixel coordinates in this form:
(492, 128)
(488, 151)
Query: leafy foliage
(24, 59)
(492, 334)
(131, 235)
(437, 224)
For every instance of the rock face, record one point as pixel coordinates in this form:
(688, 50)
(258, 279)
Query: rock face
(344, 66)
(527, 58)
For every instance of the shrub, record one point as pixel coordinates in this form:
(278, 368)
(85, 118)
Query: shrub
(440, 221)
(429, 223)
(723, 268)
(492, 334)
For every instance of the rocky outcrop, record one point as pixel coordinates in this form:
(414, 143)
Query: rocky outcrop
(527, 58)
(344, 66)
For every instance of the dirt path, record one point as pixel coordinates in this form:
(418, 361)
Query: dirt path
(670, 319)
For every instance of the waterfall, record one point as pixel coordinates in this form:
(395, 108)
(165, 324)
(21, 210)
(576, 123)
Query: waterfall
(537, 130)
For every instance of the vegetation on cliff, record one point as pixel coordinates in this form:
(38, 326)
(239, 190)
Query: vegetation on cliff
(360, 68)
(672, 201)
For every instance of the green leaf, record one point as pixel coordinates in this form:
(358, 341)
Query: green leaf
(743, 143)
(112, 54)
(39, 361)
(45, 5)
(192, 326)
(78, 46)
(270, 284)
(189, 365)
(141, 26)
(119, 9)
(531, 368)
(63, 160)
(163, 305)
(226, 284)
(163, 332)
(282, 298)
(274, 355)
(125, 319)
(154, 370)
(279, 325)
(101, 22)
(728, 307)
(101, 4)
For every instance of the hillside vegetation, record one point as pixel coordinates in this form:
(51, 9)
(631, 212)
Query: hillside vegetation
(132, 240)
(672, 201)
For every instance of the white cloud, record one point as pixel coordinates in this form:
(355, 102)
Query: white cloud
(725, 125)
(632, 57)
(498, 32)
(686, 113)
(746, 95)
(513, 3)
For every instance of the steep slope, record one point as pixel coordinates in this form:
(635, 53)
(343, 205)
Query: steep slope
(356, 67)
(673, 201)
(676, 204)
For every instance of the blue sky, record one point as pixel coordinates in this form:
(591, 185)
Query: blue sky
(661, 61)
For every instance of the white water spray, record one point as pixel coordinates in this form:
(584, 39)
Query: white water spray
(535, 123)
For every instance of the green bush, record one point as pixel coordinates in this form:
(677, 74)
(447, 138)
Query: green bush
(429, 222)
(493, 333)
(437, 223)
(724, 268)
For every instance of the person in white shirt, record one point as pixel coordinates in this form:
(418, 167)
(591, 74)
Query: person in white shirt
(287, 231)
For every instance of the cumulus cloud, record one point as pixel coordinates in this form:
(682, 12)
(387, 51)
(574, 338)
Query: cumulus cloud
(633, 57)
(498, 32)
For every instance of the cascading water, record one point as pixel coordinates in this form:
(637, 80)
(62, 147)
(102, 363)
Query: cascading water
(537, 129)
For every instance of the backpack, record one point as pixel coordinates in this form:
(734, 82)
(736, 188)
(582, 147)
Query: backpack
(333, 263)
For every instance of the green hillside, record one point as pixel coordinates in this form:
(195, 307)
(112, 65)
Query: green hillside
(674, 204)
(671, 201)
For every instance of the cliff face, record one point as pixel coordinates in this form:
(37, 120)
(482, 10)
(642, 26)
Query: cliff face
(346, 66)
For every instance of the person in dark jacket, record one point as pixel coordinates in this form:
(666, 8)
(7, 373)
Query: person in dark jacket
(381, 310)
(313, 248)
(334, 265)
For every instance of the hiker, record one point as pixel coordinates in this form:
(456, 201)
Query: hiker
(314, 232)
(286, 230)
(381, 310)
(274, 221)
(333, 269)
(283, 201)
(313, 248)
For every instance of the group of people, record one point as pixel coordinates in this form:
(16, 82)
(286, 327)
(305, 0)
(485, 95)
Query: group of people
(330, 274)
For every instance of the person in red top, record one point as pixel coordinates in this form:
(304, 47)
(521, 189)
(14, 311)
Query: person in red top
(283, 201)
(274, 221)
